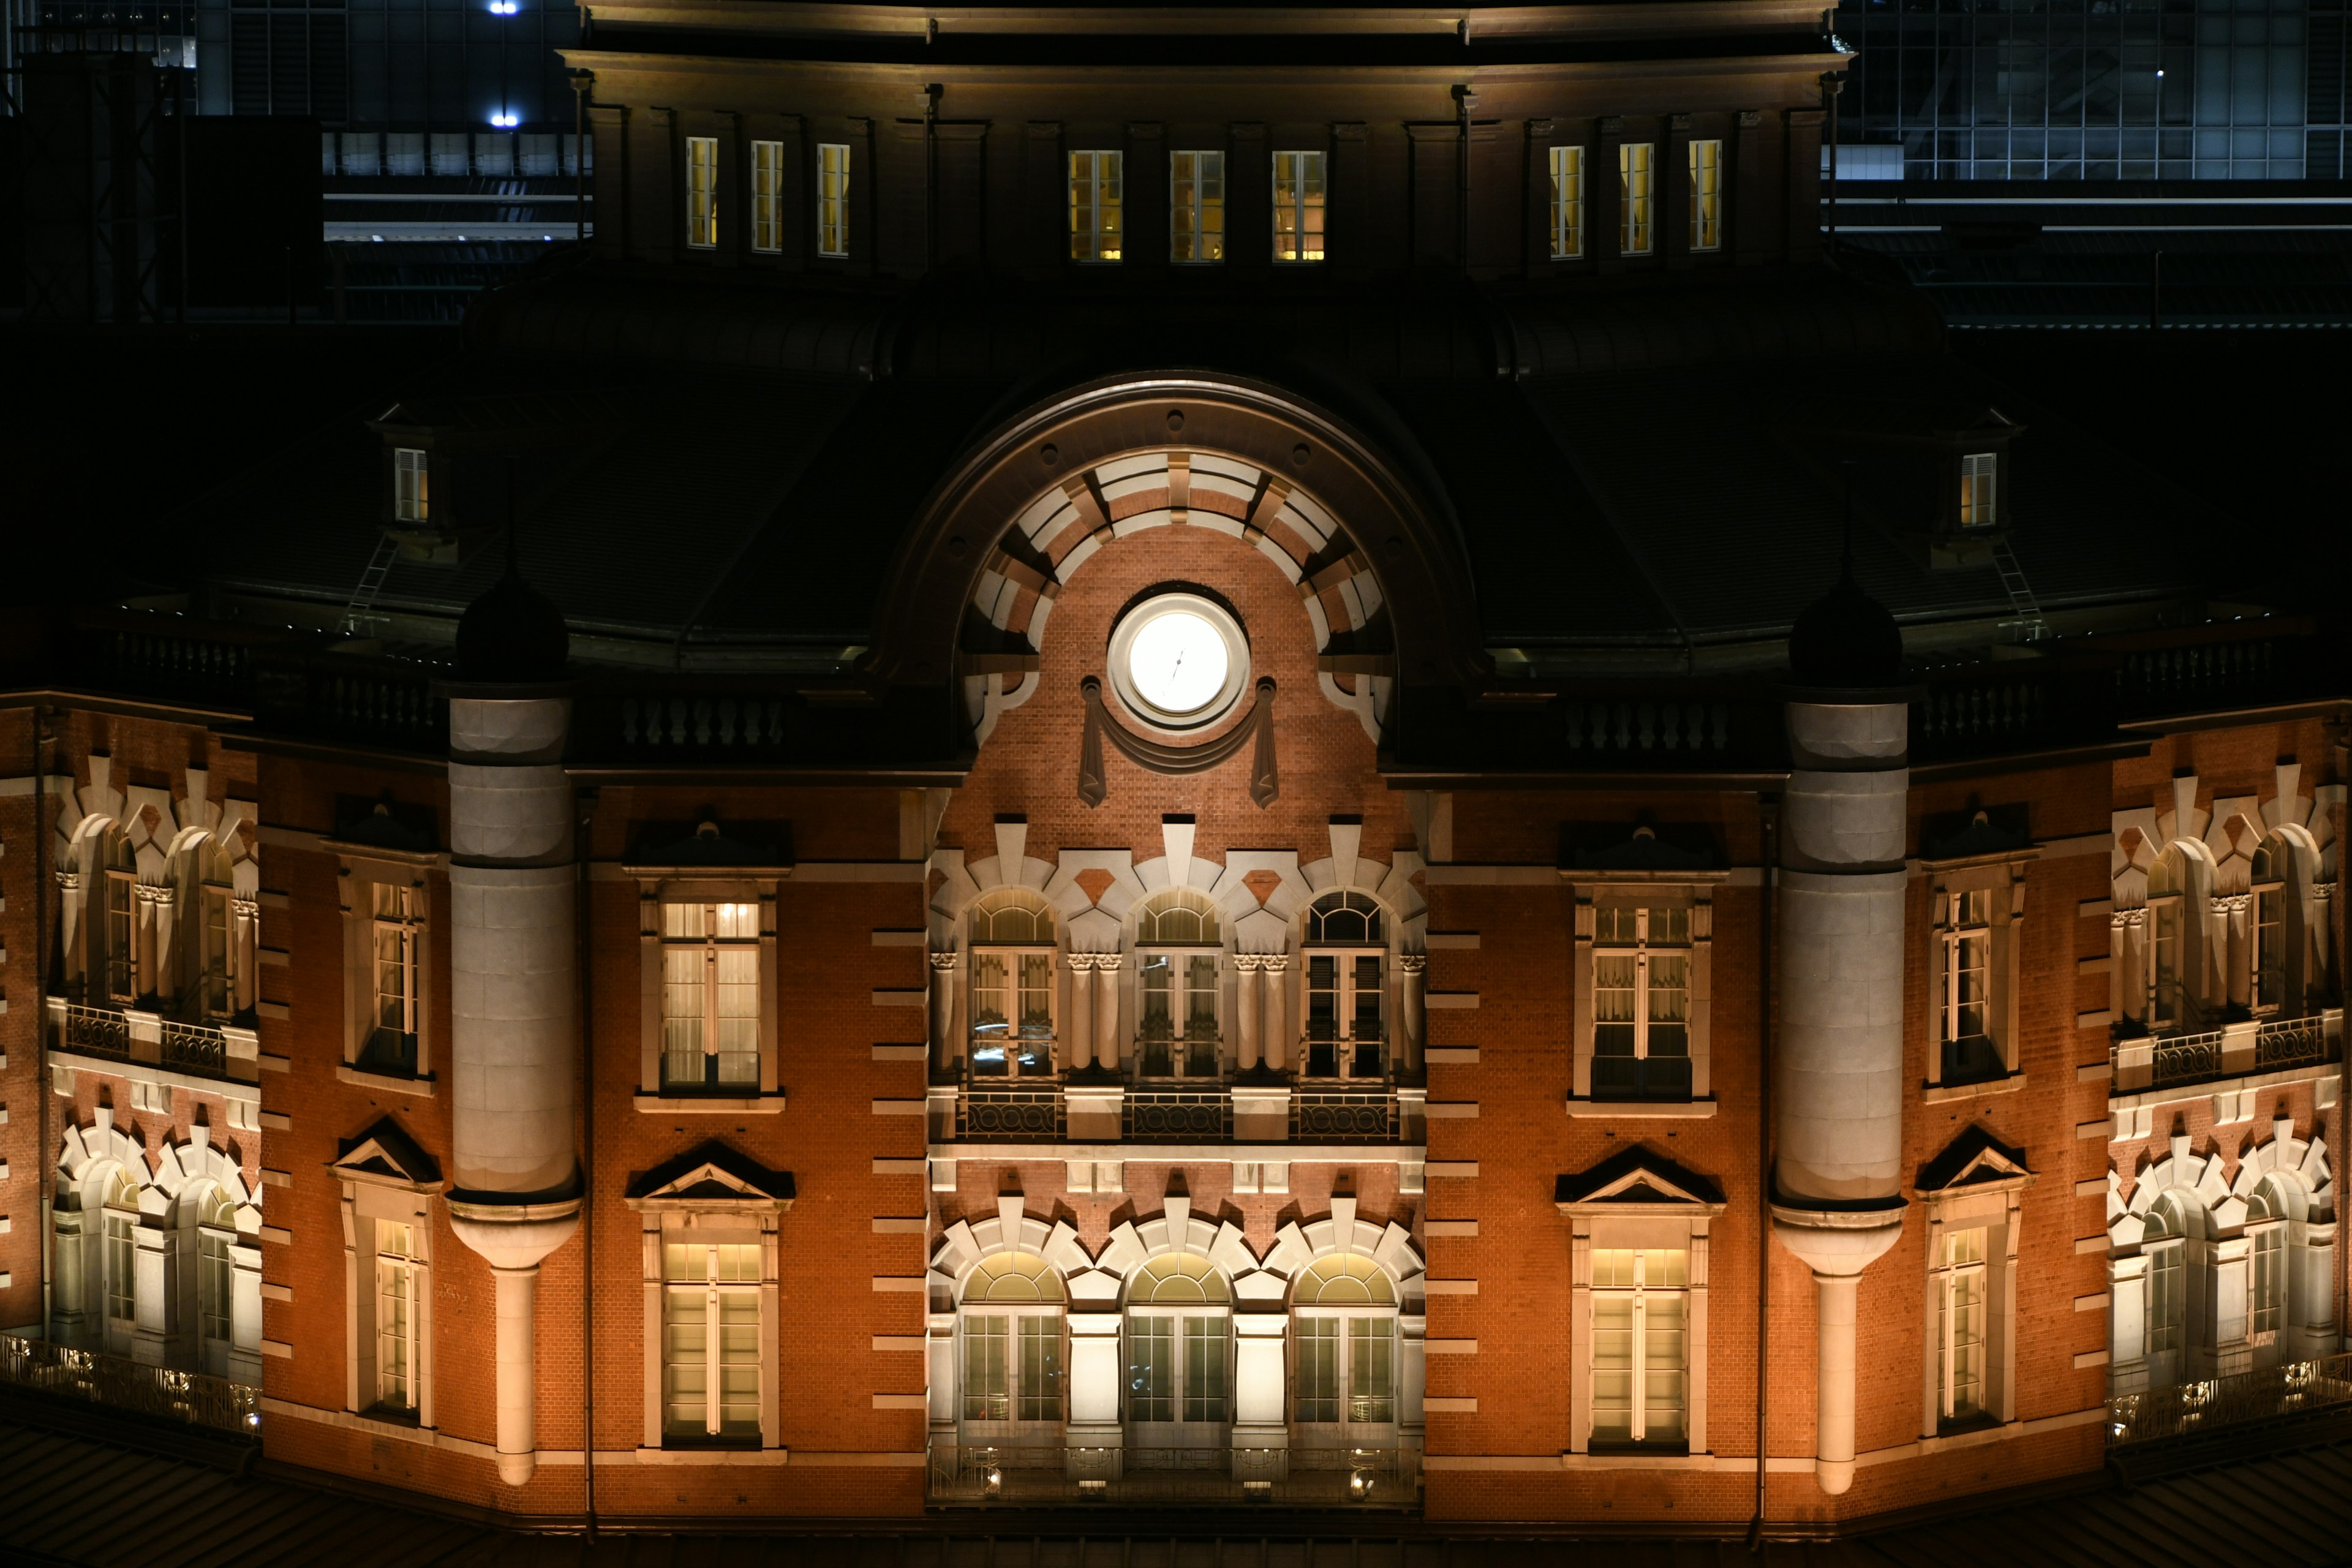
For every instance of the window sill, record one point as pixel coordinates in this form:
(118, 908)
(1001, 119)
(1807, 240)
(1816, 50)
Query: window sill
(705, 1456)
(1640, 1110)
(1939, 1093)
(654, 1103)
(1637, 1460)
(391, 1083)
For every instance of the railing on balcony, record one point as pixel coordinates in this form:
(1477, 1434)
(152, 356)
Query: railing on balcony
(1177, 1116)
(1323, 1116)
(1369, 1478)
(2186, 1409)
(2272, 1045)
(1010, 1115)
(2184, 1059)
(195, 1047)
(2292, 1043)
(95, 1031)
(122, 1383)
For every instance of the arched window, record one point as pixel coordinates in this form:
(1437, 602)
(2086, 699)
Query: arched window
(115, 930)
(1343, 1328)
(2165, 1243)
(1178, 939)
(2171, 950)
(1012, 986)
(120, 1273)
(2270, 1212)
(1347, 967)
(1179, 1363)
(213, 885)
(1012, 1327)
(214, 1214)
(2277, 928)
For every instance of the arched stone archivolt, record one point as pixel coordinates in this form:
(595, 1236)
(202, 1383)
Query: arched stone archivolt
(2223, 1194)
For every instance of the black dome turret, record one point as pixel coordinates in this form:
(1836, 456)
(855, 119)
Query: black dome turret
(1845, 639)
(512, 635)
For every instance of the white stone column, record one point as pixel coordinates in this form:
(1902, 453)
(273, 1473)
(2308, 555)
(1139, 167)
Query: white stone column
(165, 971)
(1081, 1032)
(1248, 972)
(1094, 1380)
(1839, 1091)
(69, 924)
(1106, 1045)
(1412, 1012)
(1273, 988)
(151, 1292)
(1261, 1392)
(143, 940)
(245, 920)
(942, 1009)
(514, 1042)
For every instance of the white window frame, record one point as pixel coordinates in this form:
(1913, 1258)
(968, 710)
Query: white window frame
(412, 485)
(833, 198)
(371, 1202)
(1382, 1323)
(657, 887)
(1637, 198)
(1011, 955)
(767, 197)
(1667, 1215)
(1019, 1343)
(1347, 990)
(1567, 170)
(1098, 199)
(117, 926)
(1638, 1297)
(398, 1283)
(1959, 1285)
(215, 1282)
(702, 959)
(1621, 889)
(1302, 191)
(118, 1270)
(1192, 204)
(361, 873)
(1974, 905)
(1980, 489)
(667, 1216)
(1644, 951)
(1705, 193)
(712, 1295)
(702, 193)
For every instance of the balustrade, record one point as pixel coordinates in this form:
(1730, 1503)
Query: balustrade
(2186, 1409)
(122, 1383)
(1028, 1474)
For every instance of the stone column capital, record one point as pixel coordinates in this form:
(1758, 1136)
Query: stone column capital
(1412, 962)
(1274, 962)
(1107, 963)
(1080, 962)
(945, 963)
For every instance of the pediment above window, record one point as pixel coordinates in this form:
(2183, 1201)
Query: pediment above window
(384, 1155)
(1976, 837)
(711, 1178)
(670, 847)
(1975, 1162)
(1638, 1181)
(1640, 853)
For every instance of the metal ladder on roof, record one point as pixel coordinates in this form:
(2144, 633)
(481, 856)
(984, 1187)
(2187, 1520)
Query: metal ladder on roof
(2026, 610)
(362, 605)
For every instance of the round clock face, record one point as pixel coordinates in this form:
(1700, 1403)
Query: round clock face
(1179, 660)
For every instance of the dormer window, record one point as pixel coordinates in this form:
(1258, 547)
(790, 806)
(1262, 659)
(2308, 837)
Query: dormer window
(411, 493)
(1979, 488)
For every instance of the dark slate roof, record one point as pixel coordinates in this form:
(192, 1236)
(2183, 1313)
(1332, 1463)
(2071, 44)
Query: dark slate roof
(86, 1491)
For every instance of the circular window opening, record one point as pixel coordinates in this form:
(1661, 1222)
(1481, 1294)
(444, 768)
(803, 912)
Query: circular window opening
(1179, 660)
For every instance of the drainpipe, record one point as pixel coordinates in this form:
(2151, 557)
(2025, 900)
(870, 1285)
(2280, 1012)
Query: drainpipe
(1770, 814)
(588, 799)
(45, 1182)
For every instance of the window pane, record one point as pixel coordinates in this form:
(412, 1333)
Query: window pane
(394, 1383)
(767, 189)
(685, 1362)
(987, 1391)
(1150, 1369)
(833, 198)
(1661, 1365)
(1669, 1034)
(682, 1015)
(1566, 203)
(1613, 1364)
(702, 191)
(738, 1362)
(739, 1015)
(1317, 1341)
(1613, 1004)
(1204, 1369)
(1372, 1371)
(1707, 195)
(682, 920)
(1633, 198)
(1041, 1370)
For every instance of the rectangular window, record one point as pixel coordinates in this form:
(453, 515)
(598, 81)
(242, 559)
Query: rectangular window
(121, 1267)
(1640, 1357)
(1707, 195)
(1636, 199)
(702, 191)
(1298, 206)
(2268, 1299)
(1372, 1370)
(215, 1283)
(1011, 1012)
(710, 1341)
(1318, 1345)
(1040, 1385)
(987, 1367)
(1566, 203)
(1345, 1031)
(2269, 956)
(1641, 1003)
(1196, 202)
(767, 197)
(395, 1316)
(710, 996)
(2168, 1301)
(120, 980)
(833, 198)
(215, 978)
(412, 498)
(1204, 1369)
(1150, 1369)
(1965, 1028)
(391, 1044)
(1960, 1325)
(1976, 489)
(2164, 1001)
(1178, 1029)
(1095, 204)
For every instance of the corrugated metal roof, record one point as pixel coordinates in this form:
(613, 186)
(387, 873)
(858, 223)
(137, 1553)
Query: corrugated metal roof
(95, 1496)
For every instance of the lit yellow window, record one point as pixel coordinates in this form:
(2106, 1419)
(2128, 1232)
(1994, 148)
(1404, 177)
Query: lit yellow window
(1298, 206)
(767, 190)
(702, 191)
(1096, 206)
(1707, 195)
(833, 198)
(1566, 203)
(1636, 198)
(1196, 218)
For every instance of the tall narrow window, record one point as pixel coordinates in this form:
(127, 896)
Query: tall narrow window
(767, 197)
(213, 978)
(1641, 1003)
(1319, 1369)
(702, 191)
(121, 1210)
(1707, 195)
(1096, 206)
(2167, 887)
(1012, 1327)
(391, 1045)
(1012, 986)
(1298, 206)
(1636, 198)
(2266, 1215)
(395, 1316)
(1978, 490)
(1966, 1026)
(2268, 959)
(1196, 206)
(833, 198)
(216, 1277)
(1566, 203)
(1347, 956)
(1178, 941)
(412, 498)
(1344, 1348)
(122, 879)
(1640, 1358)
(1959, 1287)
(1178, 1310)
(2163, 1244)
(710, 996)
(710, 1341)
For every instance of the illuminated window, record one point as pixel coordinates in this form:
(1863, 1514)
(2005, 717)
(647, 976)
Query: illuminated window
(1012, 1329)
(1343, 1334)
(1095, 204)
(1566, 203)
(710, 995)
(1964, 1026)
(767, 197)
(2169, 1001)
(1707, 195)
(215, 1277)
(1298, 206)
(1177, 1360)
(1977, 491)
(1012, 991)
(1641, 1312)
(1641, 1003)
(833, 198)
(702, 191)
(1636, 199)
(411, 494)
(119, 881)
(2267, 1212)
(1959, 1294)
(396, 1282)
(1346, 988)
(710, 1341)
(1178, 945)
(397, 940)
(2165, 1244)
(120, 1210)
(1196, 202)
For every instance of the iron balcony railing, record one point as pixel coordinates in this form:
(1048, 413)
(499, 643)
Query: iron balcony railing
(1322, 1116)
(2292, 1043)
(195, 1047)
(122, 1383)
(1365, 1478)
(2272, 1045)
(95, 1031)
(2211, 1403)
(1010, 1115)
(1177, 1115)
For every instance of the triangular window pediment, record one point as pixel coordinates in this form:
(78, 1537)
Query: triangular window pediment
(1975, 1160)
(384, 1153)
(713, 1174)
(1637, 1177)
